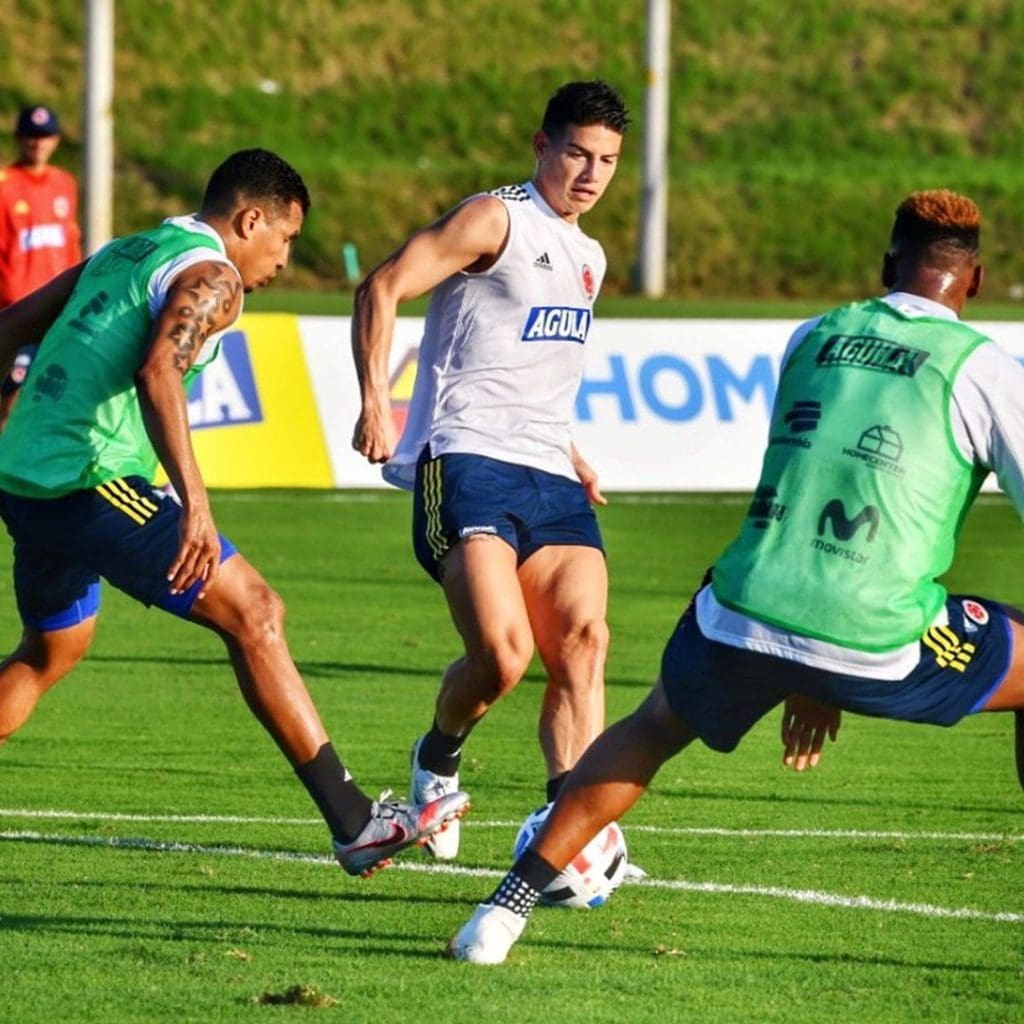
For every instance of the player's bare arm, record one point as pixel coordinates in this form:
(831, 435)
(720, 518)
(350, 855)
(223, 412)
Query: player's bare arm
(204, 299)
(25, 322)
(470, 237)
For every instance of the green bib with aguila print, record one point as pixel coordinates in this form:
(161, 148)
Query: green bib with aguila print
(78, 422)
(862, 490)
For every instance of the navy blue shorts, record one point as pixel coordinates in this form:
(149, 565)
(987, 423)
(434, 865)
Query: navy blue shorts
(459, 495)
(722, 691)
(16, 375)
(123, 530)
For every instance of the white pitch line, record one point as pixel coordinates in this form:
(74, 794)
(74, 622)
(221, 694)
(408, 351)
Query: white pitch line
(827, 833)
(830, 899)
(811, 896)
(190, 819)
(664, 830)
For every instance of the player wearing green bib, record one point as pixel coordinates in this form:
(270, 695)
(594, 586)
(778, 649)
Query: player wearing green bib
(105, 400)
(889, 414)
(85, 427)
(820, 562)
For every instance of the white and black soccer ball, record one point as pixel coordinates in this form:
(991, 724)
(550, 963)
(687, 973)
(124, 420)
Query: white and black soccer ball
(592, 876)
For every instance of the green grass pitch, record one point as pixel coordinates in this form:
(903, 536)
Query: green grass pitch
(159, 862)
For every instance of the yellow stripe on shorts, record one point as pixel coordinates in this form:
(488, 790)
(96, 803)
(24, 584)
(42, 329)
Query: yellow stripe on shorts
(123, 502)
(432, 485)
(949, 650)
(143, 505)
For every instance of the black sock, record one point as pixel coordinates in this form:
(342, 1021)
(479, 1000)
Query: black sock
(555, 785)
(521, 887)
(345, 807)
(440, 753)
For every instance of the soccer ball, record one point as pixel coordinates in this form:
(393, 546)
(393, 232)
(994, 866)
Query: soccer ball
(593, 874)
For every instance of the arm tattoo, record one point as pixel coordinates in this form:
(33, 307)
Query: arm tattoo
(207, 299)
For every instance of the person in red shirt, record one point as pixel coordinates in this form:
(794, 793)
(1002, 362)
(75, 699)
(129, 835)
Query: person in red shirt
(39, 233)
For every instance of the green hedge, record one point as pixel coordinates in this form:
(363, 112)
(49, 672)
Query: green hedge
(796, 127)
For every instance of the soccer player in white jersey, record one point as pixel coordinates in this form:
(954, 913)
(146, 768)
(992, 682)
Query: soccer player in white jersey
(889, 414)
(503, 515)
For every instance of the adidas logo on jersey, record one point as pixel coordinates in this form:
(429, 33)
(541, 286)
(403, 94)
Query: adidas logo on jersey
(543, 262)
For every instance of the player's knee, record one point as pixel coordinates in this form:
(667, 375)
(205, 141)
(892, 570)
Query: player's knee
(261, 619)
(591, 640)
(659, 727)
(499, 666)
(583, 647)
(51, 656)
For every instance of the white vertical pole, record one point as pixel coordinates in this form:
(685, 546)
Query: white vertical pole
(653, 242)
(99, 123)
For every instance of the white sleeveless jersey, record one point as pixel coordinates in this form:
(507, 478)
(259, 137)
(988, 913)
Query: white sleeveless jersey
(502, 352)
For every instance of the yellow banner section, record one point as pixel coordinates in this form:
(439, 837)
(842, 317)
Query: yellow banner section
(253, 413)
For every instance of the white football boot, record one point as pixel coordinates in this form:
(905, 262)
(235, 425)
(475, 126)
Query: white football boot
(393, 826)
(424, 787)
(487, 936)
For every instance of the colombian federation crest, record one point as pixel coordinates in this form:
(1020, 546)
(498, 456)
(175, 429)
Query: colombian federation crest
(976, 612)
(588, 280)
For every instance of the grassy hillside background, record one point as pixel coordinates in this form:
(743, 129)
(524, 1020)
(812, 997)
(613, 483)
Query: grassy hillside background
(796, 128)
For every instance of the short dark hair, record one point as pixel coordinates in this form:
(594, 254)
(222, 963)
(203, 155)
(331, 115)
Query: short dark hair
(938, 224)
(257, 176)
(584, 103)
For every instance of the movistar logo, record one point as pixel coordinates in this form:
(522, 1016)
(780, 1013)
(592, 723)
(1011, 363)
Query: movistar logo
(557, 323)
(843, 528)
(870, 353)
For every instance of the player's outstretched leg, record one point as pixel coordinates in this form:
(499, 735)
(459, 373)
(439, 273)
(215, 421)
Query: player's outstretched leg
(39, 661)
(610, 777)
(366, 834)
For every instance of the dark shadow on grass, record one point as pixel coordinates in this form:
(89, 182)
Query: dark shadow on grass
(316, 669)
(699, 954)
(309, 669)
(212, 772)
(339, 896)
(138, 928)
(539, 679)
(172, 660)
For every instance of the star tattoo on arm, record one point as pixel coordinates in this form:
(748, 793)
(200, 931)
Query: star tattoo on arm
(202, 304)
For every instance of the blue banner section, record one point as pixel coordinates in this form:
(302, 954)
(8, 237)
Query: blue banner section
(677, 389)
(225, 393)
